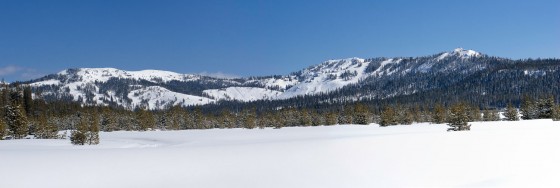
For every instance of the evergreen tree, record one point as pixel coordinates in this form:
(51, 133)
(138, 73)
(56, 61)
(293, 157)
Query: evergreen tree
(305, 118)
(556, 112)
(388, 117)
(439, 114)
(474, 113)
(45, 129)
(249, 118)
(92, 134)
(458, 118)
(511, 113)
(545, 107)
(490, 115)
(2, 128)
(146, 120)
(16, 121)
(331, 118)
(79, 136)
(528, 108)
(361, 114)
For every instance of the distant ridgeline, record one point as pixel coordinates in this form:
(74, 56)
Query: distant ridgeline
(449, 77)
(454, 87)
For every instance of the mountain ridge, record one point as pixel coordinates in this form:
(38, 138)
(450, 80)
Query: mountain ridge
(158, 89)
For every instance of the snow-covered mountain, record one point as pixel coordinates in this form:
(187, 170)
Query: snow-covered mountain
(361, 78)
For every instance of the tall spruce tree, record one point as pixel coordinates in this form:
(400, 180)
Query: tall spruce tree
(16, 120)
(79, 135)
(361, 114)
(439, 114)
(511, 113)
(556, 112)
(388, 117)
(458, 118)
(2, 128)
(528, 108)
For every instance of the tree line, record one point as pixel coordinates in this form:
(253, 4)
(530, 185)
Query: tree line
(25, 113)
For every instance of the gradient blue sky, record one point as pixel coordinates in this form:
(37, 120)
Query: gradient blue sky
(247, 37)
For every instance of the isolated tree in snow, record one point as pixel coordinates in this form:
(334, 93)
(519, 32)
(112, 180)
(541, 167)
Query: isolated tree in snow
(439, 114)
(458, 118)
(511, 113)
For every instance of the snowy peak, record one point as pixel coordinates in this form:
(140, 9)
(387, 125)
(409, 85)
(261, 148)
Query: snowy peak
(104, 74)
(465, 53)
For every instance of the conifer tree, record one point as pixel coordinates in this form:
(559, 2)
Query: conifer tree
(92, 134)
(439, 114)
(545, 107)
(146, 120)
(556, 112)
(45, 129)
(331, 118)
(2, 128)
(458, 118)
(79, 136)
(388, 117)
(16, 121)
(528, 108)
(474, 113)
(249, 118)
(361, 114)
(511, 113)
(305, 118)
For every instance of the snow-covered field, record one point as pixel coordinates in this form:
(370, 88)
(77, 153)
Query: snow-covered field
(492, 154)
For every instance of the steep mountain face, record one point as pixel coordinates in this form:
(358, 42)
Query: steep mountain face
(356, 78)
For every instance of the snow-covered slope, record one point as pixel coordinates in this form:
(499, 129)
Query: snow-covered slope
(492, 154)
(328, 76)
(242, 93)
(156, 97)
(103, 86)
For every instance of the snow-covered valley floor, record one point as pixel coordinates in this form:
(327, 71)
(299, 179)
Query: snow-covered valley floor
(492, 154)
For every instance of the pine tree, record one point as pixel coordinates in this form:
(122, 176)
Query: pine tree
(544, 107)
(249, 118)
(79, 136)
(45, 129)
(305, 118)
(2, 128)
(439, 114)
(331, 118)
(511, 113)
(474, 113)
(146, 120)
(388, 117)
(528, 108)
(490, 115)
(16, 121)
(556, 112)
(92, 134)
(458, 118)
(361, 114)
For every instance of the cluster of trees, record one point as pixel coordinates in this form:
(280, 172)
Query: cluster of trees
(22, 116)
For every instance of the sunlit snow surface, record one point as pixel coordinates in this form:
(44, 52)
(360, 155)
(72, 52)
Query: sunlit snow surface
(494, 154)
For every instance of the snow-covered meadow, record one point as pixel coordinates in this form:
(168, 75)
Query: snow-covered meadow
(492, 154)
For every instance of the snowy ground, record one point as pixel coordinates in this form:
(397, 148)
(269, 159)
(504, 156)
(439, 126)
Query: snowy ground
(494, 154)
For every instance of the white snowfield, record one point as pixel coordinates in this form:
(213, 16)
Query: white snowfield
(492, 154)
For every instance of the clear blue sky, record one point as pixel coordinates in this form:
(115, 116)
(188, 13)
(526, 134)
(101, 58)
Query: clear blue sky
(247, 37)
